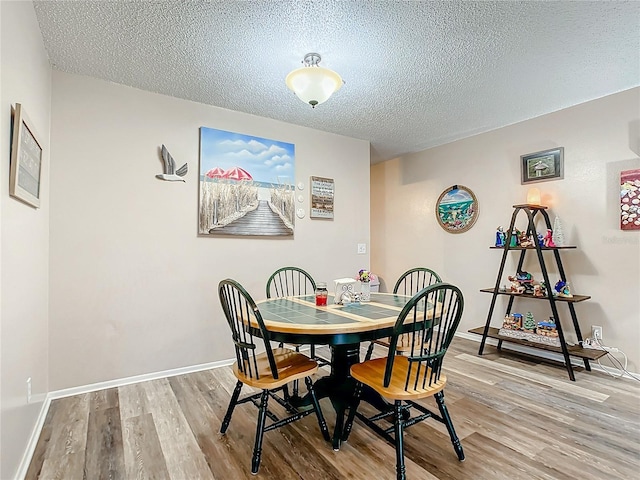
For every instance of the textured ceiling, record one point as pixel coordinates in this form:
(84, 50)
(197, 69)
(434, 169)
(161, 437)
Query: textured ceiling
(417, 74)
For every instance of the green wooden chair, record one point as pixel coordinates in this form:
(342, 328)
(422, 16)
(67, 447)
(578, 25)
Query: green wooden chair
(430, 319)
(409, 283)
(269, 371)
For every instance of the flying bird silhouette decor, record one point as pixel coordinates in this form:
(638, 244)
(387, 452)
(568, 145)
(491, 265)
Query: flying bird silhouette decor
(170, 173)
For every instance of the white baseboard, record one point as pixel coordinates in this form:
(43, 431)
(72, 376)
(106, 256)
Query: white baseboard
(33, 440)
(67, 392)
(547, 355)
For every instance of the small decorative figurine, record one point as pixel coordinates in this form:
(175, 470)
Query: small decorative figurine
(547, 329)
(548, 239)
(512, 322)
(541, 240)
(539, 290)
(514, 239)
(562, 289)
(500, 237)
(521, 282)
(558, 233)
(524, 241)
(170, 173)
(529, 323)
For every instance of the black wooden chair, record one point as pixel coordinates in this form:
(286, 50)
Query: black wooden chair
(290, 281)
(409, 283)
(269, 371)
(430, 319)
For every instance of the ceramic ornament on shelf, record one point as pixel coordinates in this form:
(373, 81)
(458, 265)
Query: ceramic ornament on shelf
(558, 234)
(170, 173)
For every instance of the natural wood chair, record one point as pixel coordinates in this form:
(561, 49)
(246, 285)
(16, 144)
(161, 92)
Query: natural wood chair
(269, 371)
(290, 281)
(409, 283)
(430, 319)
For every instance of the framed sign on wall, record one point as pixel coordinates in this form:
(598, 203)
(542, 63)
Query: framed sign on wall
(322, 193)
(26, 160)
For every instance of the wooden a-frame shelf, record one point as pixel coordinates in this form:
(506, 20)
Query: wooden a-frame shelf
(531, 211)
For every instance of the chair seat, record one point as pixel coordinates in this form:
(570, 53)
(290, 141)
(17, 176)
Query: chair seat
(371, 373)
(290, 364)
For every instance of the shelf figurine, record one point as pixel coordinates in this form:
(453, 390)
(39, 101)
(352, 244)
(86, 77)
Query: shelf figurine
(548, 239)
(521, 282)
(540, 240)
(500, 237)
(539, 290)
(529, 323)
(562, 289)
(514, 238)
(547, 329)
(524, 240)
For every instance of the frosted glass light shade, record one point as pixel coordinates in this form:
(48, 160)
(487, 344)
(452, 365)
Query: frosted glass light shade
(533, 196)
(313, 85)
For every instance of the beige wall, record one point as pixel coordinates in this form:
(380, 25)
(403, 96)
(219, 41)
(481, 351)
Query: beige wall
(24, 238)
(600, 138)
(133, 289)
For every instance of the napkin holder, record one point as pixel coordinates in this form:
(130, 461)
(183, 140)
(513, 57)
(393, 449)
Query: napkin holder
(344, 287)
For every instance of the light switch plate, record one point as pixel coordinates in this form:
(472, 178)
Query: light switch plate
(362, 248)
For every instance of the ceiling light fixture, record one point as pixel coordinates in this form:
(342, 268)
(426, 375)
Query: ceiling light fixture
(313, 84)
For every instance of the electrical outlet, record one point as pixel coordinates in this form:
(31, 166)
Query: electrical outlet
(596, 332)
(362, 248)
(29, 390)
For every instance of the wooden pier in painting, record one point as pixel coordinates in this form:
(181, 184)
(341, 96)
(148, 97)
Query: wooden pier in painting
(261, 221)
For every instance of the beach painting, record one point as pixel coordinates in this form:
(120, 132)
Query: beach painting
(247, 185)
(457, 209)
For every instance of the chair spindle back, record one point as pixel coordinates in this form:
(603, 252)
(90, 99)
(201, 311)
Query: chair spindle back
(430, 319)
(289, 281)
(244, 317)
(414, 280)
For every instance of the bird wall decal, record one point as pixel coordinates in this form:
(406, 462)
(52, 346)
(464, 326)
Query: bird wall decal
(170, 173)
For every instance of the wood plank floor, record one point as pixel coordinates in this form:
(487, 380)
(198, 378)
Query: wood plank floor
(517, 420)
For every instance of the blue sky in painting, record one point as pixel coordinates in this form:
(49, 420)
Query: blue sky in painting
(455, 196)
(266, 160)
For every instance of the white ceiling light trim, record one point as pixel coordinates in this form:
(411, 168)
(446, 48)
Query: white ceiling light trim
(313, 84)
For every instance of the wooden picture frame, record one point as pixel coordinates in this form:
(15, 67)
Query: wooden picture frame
(542, 166)
(26, 160)
(457, 209)
(322, 198)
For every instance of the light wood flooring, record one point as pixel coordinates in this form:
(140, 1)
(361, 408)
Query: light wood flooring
(517, 420)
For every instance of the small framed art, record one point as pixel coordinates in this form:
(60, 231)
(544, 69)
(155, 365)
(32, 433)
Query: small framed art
(543, 166)
(26, 160)
(457, 209)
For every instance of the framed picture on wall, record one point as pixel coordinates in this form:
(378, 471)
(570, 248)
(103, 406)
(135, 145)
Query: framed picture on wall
(630, 199)
(543, 166)
(26, 160)
(457, 209)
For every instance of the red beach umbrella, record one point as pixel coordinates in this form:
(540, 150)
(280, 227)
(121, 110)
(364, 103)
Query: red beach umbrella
(215, 173)
(237, 173)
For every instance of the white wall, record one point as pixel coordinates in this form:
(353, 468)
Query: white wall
(600, 138)
(24, 237)
(133, 288)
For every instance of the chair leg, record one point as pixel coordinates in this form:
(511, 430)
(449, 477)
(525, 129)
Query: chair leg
(401, 473)
(262, 416)
(457, 446)
(353, 408)
(321, 421)
(232, 404)
(312, 351)
(369, 352)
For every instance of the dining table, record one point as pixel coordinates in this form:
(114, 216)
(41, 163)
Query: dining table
(298, 320)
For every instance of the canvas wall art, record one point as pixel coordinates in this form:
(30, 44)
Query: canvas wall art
(247, 185)
(630, 199)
